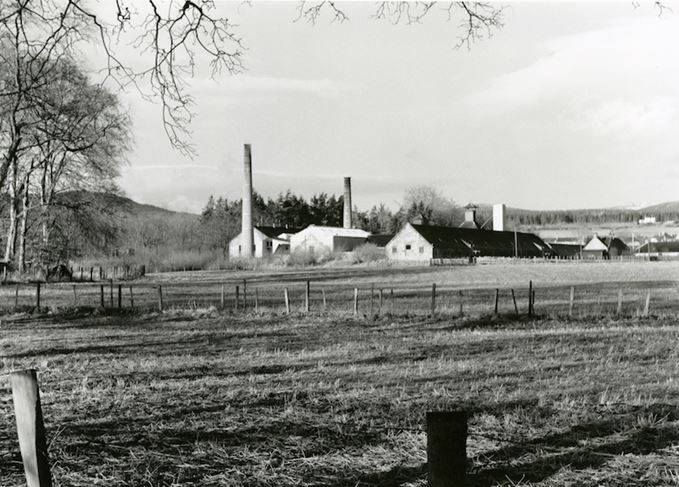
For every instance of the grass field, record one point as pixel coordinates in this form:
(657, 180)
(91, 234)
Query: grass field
(200, 397)
(597, 287)
(196, 398)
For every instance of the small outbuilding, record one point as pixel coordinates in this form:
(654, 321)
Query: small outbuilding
(315, 238)
(604, 248)
(267, 241)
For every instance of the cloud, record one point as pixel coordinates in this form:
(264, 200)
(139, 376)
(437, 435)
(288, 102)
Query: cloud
(258, 85)
(652, 116)
(621, 60)
(163, 167)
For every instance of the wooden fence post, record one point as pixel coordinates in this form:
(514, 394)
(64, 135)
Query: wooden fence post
(648, 303)
(111, 293)
(37, 295)
(618, 310)
(530, 298)
(131, 298)
(222, 299)
(286, 295)
(101, 290)
(433, 299)
(30, 428)
(355, 301)
(160, 298)
(497, 299)
(446, 448)
(75, 297)
(381, 300)
(237, 298)
(307, 291)
(391, 300)
(91, 274)
(16, 296)
(245, 295)
(325, 303)
(516, 308)
(460, 295)
(372, 295)
(571, 300)
(120, 296)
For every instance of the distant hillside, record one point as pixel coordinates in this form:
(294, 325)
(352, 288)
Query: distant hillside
(131, 210)
(519, 216)
(127, 207)
(670, 207)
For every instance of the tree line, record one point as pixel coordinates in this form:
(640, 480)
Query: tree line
(221, 218)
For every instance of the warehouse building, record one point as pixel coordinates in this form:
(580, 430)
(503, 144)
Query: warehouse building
(316, 238)
(426, 242)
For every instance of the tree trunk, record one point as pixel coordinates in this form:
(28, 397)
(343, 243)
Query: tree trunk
(21, 260)
(10, 248)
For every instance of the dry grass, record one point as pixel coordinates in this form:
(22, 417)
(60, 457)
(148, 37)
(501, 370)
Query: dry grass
(597, 286)
(197, 398)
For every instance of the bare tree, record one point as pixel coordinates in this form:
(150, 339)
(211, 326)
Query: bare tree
(81, 139)
(476, 20)
(428, 203)
(168, 35)
(72, 136)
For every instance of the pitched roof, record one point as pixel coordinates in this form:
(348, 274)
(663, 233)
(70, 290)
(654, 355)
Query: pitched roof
(380, 239)
(469, 224)
(595, 244)
(565, 249)
(274, 232)
(615, 242)
(464, 241)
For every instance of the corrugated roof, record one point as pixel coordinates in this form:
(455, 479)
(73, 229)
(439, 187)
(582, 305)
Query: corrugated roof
(463, 241)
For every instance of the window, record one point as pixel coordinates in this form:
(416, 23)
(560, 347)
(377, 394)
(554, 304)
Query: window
(393, 250)
(408, 247)
(421, 250)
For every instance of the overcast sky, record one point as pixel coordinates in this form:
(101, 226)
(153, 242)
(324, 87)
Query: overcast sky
(568, 106)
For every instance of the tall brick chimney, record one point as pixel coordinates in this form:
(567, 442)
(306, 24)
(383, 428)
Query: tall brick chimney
(346, 221)
(247, 234)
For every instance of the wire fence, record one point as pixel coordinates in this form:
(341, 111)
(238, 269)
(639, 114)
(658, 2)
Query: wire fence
(374, 299)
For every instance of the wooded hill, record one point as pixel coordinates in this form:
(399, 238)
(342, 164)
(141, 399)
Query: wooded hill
(520, 217)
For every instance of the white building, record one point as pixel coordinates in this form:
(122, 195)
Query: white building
(267, 241)
(328, 239)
